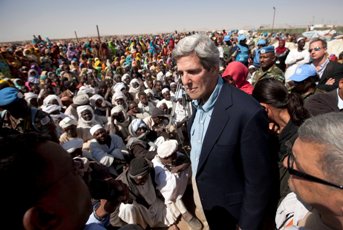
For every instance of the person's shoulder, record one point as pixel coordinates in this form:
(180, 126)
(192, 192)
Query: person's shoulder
(240, 98)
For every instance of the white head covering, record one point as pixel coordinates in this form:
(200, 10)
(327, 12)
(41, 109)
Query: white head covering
(167, 148)
(95, 128)
(51, 108)
(51, 97)
(28, 96)
(81, 99)
(94, 98)
(159, 76)
(118, 87)
(66, 122)
(85, 89)
(164, 90)
(125, 76)
(117, 109)
(135, 125)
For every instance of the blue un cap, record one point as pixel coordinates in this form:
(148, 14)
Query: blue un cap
(303, 72)
(227, 38)
(8, 95)
(262, 42)
(267, 49)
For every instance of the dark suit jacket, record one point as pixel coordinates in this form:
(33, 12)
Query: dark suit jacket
(234, 170)
(322, 103)
(332, 70)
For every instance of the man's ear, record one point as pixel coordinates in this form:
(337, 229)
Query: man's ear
(38, 218)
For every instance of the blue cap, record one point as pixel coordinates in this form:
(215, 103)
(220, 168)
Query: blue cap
(267, 49)
(8, 95)
(242, 37)
(303, 72)
(227, 38)
(262, 42)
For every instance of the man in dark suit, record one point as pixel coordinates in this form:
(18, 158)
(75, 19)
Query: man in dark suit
(231, 164)
(326, 102)
(329, 72)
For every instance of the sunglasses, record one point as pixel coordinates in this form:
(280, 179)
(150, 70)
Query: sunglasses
(315, 49)
(306, 176)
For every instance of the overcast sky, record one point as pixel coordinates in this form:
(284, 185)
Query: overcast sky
(20, 19)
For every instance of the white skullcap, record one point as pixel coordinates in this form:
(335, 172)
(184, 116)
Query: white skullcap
(149, 91)
(165, 90)
(72, 145)
(169, 74)
(66, 122)
(299, 39)
(95, 128)
(167, 148)
(173, 83)
(81, 99)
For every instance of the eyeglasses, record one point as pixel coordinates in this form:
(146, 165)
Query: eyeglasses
(315, 49)
(306, 176)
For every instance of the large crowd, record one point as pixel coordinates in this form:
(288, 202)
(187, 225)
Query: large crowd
(120, 109)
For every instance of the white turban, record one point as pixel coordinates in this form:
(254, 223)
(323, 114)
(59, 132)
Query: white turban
(28, 96)
(66, 122)
(118, 87)
(95, 128)
(136, 124)
(51, 108)
(82, 108)
(117, 109)
(167, 148)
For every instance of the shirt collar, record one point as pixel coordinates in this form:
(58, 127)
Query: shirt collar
(209, 104)
(340, 101)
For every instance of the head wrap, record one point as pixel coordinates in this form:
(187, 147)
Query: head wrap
(94, 98)
(51, 108)
(82, 108)
(28, 96)
(118, 87)
(95, 128)
(167, 148)
(66, 122)
(135, 125)
(81, 99)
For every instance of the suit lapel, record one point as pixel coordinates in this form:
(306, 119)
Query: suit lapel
(220, 116)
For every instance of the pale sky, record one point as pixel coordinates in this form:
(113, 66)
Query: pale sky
(20, 19)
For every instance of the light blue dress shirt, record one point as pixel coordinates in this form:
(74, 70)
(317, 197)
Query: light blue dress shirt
(200, 124)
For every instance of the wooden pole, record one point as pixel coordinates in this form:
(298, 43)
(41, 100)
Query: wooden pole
(77, 39)
(97, 28)
(274, 9)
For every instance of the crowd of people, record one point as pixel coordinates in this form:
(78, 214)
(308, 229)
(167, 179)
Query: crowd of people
(111, 134)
